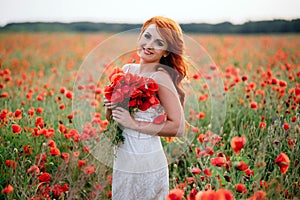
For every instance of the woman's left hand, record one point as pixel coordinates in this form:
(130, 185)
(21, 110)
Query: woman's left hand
(123, 117)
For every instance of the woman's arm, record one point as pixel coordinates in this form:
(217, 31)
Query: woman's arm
(175, 122)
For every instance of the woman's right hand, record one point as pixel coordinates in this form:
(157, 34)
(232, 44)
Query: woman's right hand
(108, 104)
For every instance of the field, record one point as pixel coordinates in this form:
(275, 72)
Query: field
(253, 155)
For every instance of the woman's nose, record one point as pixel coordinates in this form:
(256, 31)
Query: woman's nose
(149, 44)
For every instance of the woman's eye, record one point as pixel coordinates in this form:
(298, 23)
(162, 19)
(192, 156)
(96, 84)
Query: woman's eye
(147, 36)
(159, 43)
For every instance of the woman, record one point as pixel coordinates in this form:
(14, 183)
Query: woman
(140, 167)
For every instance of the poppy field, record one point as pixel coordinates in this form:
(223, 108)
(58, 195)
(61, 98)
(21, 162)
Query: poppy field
(256, 154)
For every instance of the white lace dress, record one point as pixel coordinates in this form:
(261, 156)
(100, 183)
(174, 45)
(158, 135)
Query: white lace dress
(140, 170)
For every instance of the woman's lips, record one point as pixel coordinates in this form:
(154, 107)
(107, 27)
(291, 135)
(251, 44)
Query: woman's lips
(147, 52)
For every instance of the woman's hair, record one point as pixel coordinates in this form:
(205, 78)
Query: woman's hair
(174, 63)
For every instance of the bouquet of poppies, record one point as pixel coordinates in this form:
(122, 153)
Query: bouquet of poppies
(131, 92)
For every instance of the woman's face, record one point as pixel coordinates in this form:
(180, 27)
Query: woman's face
(151, 46)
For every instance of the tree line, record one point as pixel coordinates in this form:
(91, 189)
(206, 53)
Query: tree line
(251, 27)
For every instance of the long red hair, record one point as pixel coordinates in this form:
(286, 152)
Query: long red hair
(174, 63)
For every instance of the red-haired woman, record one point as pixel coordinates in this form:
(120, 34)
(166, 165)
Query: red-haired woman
(140, 168)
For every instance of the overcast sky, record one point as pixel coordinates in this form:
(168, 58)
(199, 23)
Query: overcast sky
(137, 11)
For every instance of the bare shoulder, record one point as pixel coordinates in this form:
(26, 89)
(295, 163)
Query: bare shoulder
(163, 78)
(161, 75)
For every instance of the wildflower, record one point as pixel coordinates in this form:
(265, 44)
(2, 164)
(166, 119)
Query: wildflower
(207, 172)
(201, 115)
(249, 172)
(16, 128)
(175, 194)
(241, 188)
(69, 94)
(4, 95)
(192, 195)
(62, 106)
(195, 170)
(218, 161)
(242, 166)
(89, 169)
(262, 125)
(283, 162)
(62, 90)
(33, 170)
(223, 194)
(39, 122)
(11, 164)
(81, 163)
(206, 195)
(57, 190)
(286, 126)
(54, 151)
(8, 189)
(18, 114)
(282, 84)
(39, 110)
(253, 105)
(259, 195)
(65, 156)
(237, 143)
(27, 150)
(45, 177)
(244, 78)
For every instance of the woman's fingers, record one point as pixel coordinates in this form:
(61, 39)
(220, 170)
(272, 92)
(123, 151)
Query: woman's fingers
(109, 104)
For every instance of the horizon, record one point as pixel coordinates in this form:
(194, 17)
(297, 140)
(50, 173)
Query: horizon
(133, 12)
(117, 22)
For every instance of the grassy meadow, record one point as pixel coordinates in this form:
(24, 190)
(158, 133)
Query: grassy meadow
(255, 156)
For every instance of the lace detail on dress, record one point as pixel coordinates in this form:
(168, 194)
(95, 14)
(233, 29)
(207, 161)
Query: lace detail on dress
(140, 169)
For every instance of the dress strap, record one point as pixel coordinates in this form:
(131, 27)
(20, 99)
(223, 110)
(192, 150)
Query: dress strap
(128, 68)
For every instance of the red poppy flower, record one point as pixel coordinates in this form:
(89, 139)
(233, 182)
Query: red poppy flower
(33, 170)
(218, 161)
(253, 105)
(39, 110)
(27, 150)
(69, 94)
(242, 166)
(45, 177)
(195, 170)
(89, 170)
(207, 172)
(4, 95)
(237, 143)
(39, 122)
(206, 195)
(18, 114)
(175, 194)
(223, 194)
(259, 195)
(8, 189)
(11, 164)
(159, 119)
(80, 163)
(54, 151)
(283, 162)
(286, 126)
(65, 156)
(241, 188)
(16, 128)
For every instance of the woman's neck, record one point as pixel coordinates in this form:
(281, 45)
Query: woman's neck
(147, 67)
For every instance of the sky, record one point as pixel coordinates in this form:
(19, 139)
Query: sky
(138, 11)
